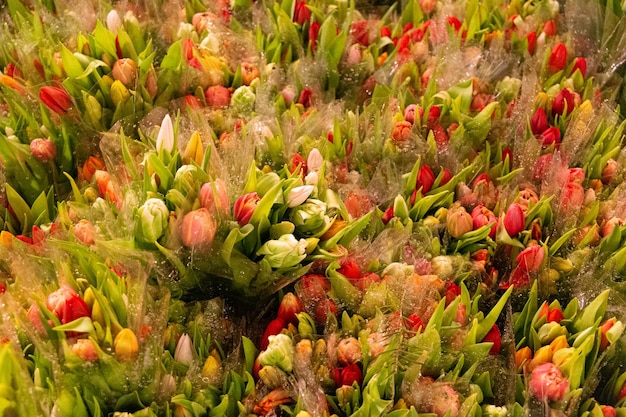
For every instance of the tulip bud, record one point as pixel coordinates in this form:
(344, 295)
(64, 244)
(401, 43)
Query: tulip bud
(301, 13)
(198, 229)
(249, 73)
(550, 331)
(125, 71)
(217, 96)
(609, 170)
(152, 220)
(514, 220)
(572, 197)
(401, 131)
(413, 112)
(550, 136)
(558, 58)
(445, 401)
(563, 103)
(315, 160)
(125, 345)
(284, 252)
(56, 99)
(289, 306)
(214, 197)
(522, 356)
(482, 216)
(580, 64)
(539, 122)
(114, 22)
(348, 351)
(548, 383)
(299, 195)
(165, 137)
(559, 342)
(542, 356)
(494, 337)
(425, 179)
(347, 375)
(119, 93)
(561, 356)
(85, 232)
(85, 349)
(43, 150)
(184, 352)
(245, 206)
(458, 221)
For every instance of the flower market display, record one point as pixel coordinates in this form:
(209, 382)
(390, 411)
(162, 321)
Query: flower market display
(312, 208)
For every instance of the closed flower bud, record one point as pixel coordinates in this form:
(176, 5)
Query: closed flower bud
(125, 71)
(43, 150)
(559, 342)
(165, 137)
(299, 195)
(572, 197)
(561, 356)
(494, 337)
(125, 345)
(249, 73)
(522, 356)
(194, 151)
(315, 160)
(56, 99)
(119, 93)
(413, 113)
(217, 96)
(114, 22)
(542, 355)
(425, 179)
(563, 103)
(214, 197)
(85, 349)
(91, 165)
(458, 221)
(85, 232)
(184, 352)
(347, 375)
(482, 216)
(609, 170)
(289, 306)
(284, 252)
(67, 305)
(539, 122)
(348, 351)
(558, 58)
(550, 331)
(152, 220)
(551, 136)
(580, 64)
(548, 383)
(401, 131)
(198, 229)
(244, 207)
(514, 220)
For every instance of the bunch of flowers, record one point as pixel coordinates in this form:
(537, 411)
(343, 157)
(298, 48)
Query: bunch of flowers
(312, 207)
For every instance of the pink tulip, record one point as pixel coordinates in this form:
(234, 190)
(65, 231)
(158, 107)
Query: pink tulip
(245, 206)
(514, 220)
(572, 197)
(198, 228)
(548, 383)
(214, 197)
(43, 150)
(85, 232)
(576, 175)
(348, 351)
(531, 258)
(413, 112)
(85, 349)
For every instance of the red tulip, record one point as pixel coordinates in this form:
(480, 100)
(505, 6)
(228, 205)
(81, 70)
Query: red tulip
(531, 258)
(323, 308)
(542, 165)
(539, 122)
(387, 215)
(67, 305)
(482, 216)
(514, 220)
(306, 96)
(549, 28)
(385, 32)
(454, 22)
(445, 177)
(550, 136)
(604, 328)
(554, 314)
(56, 99)
(245, 206)
(425, 179)
(563, 103)
(273, 328)
(572, 197)
(350, 269)
(608, 411)
(289, 306)
(433, 115)
(414, 323)
(531, 37)
(314, 31)
(558, 58)
(301, 13)
(493, 336)
(347, 375)
(580, 64)
(452, 291)
(359, 32)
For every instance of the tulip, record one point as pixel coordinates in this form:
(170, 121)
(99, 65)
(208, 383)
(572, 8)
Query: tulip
(549, 332)
(458, 221)
(493, 336)
(249, 73)
(413, 112)
(551, 314)
(56, 99)
(114, 22)
(125, 71)
(572, 197)
(284, 252)
(548, 383)
(301, 13)
(280, 352)
(604, 328)
(315, 160)
(348, 351)
(314, 30)
(514, 220)
(539, 122)
(184, 352)
(85, 232)
(558, 58)
(126, 345)
(580, 64)
(401, 131)
(523, 356)
(91, 165)
(85, 349)
(299, 195)
(214, 197)
(347, 375)
(531, 258)
(152, 219)
(67, 305)
(445, 401)
(245, 206)
(119, 93)
(323, 309)
(531, 38)
(609, 171)
(563, 103)
(198, 228)
(289, 306)
(425, 179)
(608, 411)
(165, 137)
(43, 150)
(433, 115)
(482, 216)
(217, 96)
(550, 136)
